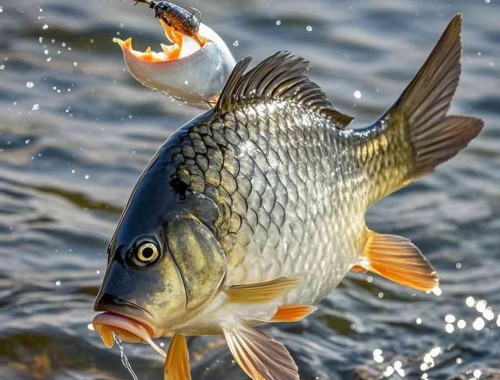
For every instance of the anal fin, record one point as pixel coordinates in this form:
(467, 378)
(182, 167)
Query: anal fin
(177, 361)
(398, 260)
(259, 355)
(292, 313)
(263, 291)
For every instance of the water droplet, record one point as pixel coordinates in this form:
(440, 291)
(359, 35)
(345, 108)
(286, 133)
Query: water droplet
(461, 324)
(437, 291)
(450, 318)
(278, 22)
(75, 64)
(478, 324)
(418, 321)
(458, 265)
(377, 356)
(488, 314)
(58, 283)
(90, 326)
(29, 84)
(45, 27)
(357, 94)
(388, 371)
(449, 328)
(378, 359)
(27, 141)
(236, 43)
(36, 107)
(435, 351)
(186, 82)
(481, 306)
(87, 176)
(470, 301)
(2, 67)
(477, 373)
(309, 28)
(1, 9)
(487, 1)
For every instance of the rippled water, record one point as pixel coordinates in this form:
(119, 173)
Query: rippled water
(76, 131)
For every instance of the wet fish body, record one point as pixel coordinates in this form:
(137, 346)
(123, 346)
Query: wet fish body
(254, 211)
(281, 174)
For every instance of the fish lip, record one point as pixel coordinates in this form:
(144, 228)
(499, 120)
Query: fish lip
(131, 311)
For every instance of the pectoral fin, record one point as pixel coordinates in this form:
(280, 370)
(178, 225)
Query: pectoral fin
(261, 292)
(292, 313)
(177, 362)
(397, 259)
(260, 356)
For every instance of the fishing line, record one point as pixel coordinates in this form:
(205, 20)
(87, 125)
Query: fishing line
(124, 358)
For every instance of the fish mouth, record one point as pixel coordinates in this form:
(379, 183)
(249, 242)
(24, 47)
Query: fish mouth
(193, 70)
(182, 46)
(129, 323)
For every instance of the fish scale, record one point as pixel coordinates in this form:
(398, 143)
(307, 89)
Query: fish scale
(286, 191)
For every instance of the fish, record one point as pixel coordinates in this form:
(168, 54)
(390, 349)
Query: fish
(253, 212)
(193, 69)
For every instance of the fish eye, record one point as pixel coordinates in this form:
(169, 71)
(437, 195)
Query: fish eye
(147, 253)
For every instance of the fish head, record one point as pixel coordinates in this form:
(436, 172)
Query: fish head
(193, 70)
(165, 261)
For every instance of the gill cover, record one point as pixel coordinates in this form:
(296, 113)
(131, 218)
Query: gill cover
(198, 256)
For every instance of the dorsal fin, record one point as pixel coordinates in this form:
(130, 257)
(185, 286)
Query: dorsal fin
(282, 76)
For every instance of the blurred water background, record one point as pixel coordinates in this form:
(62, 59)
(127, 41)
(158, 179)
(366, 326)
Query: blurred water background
(76, 131)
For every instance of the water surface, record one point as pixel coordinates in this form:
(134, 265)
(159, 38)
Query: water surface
(76, 131)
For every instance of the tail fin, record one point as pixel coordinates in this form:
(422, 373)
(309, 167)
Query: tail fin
(415, 135)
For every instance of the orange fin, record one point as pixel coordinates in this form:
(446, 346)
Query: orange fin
(293, 313)
(177, 362)
(260, 356)
(398, 260)
(263, 291)
(358, 268)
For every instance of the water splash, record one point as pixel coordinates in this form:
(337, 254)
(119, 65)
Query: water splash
(124, 358)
